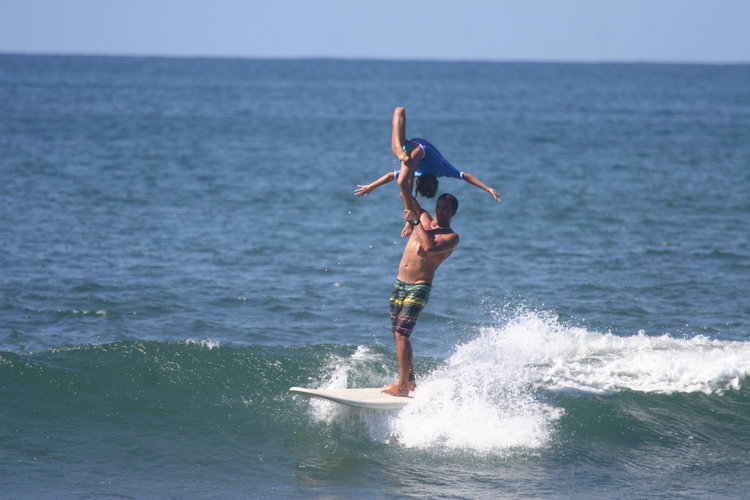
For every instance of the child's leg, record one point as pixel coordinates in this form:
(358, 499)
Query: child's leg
(409, 159)
(406, 176)
(406, 183)
(398, 139)
(398, 135)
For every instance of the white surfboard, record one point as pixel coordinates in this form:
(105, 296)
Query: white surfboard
(370, 398)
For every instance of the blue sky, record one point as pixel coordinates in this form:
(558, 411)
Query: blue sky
(714, 31)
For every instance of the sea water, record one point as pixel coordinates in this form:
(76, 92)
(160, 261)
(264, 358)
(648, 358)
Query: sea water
(180, 244)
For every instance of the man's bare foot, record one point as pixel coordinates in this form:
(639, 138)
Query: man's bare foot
(397, 390)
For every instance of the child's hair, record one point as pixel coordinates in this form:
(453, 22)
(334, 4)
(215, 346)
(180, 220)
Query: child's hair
(427, 185)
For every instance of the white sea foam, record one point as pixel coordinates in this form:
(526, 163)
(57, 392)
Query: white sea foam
(489, 395)
(563, 357)
(480, 400)
(209, 343)
(362, 365)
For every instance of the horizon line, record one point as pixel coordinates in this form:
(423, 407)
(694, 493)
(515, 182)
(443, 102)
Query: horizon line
(519, 60)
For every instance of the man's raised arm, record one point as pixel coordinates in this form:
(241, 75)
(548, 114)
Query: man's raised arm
(431, 242)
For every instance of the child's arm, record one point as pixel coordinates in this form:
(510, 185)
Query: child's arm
(476, 182)
(367, 189)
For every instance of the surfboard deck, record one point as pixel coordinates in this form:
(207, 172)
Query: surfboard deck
(370, 398)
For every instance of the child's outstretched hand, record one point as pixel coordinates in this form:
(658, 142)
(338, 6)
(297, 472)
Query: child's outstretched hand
(362, 190)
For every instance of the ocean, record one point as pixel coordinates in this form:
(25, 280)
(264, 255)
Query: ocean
(180, 244)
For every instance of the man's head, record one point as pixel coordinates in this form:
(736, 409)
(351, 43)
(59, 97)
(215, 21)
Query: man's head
(445, 208)
(427, 185)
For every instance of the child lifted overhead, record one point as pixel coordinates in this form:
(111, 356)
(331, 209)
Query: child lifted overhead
(420, 159)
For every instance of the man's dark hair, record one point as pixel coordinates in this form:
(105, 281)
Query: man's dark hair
(427, 185)
(451, 199)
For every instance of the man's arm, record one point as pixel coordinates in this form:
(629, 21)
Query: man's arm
(410, 215)
(418, 213)
(433, 243)
(367, 189)
(481, 185)
(430, 242)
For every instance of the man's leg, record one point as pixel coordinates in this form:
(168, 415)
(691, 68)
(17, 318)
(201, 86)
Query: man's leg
(407, 302)
(405, 357)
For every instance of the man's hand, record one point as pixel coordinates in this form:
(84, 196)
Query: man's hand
(495, 195)
(410, 215)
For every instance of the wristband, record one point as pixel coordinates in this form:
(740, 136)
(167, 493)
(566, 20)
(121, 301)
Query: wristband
(414, 222)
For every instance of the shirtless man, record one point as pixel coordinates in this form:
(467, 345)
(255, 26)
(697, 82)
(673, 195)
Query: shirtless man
(430, 243)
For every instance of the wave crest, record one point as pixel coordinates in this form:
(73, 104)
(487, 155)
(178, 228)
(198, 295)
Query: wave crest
(492, 394)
